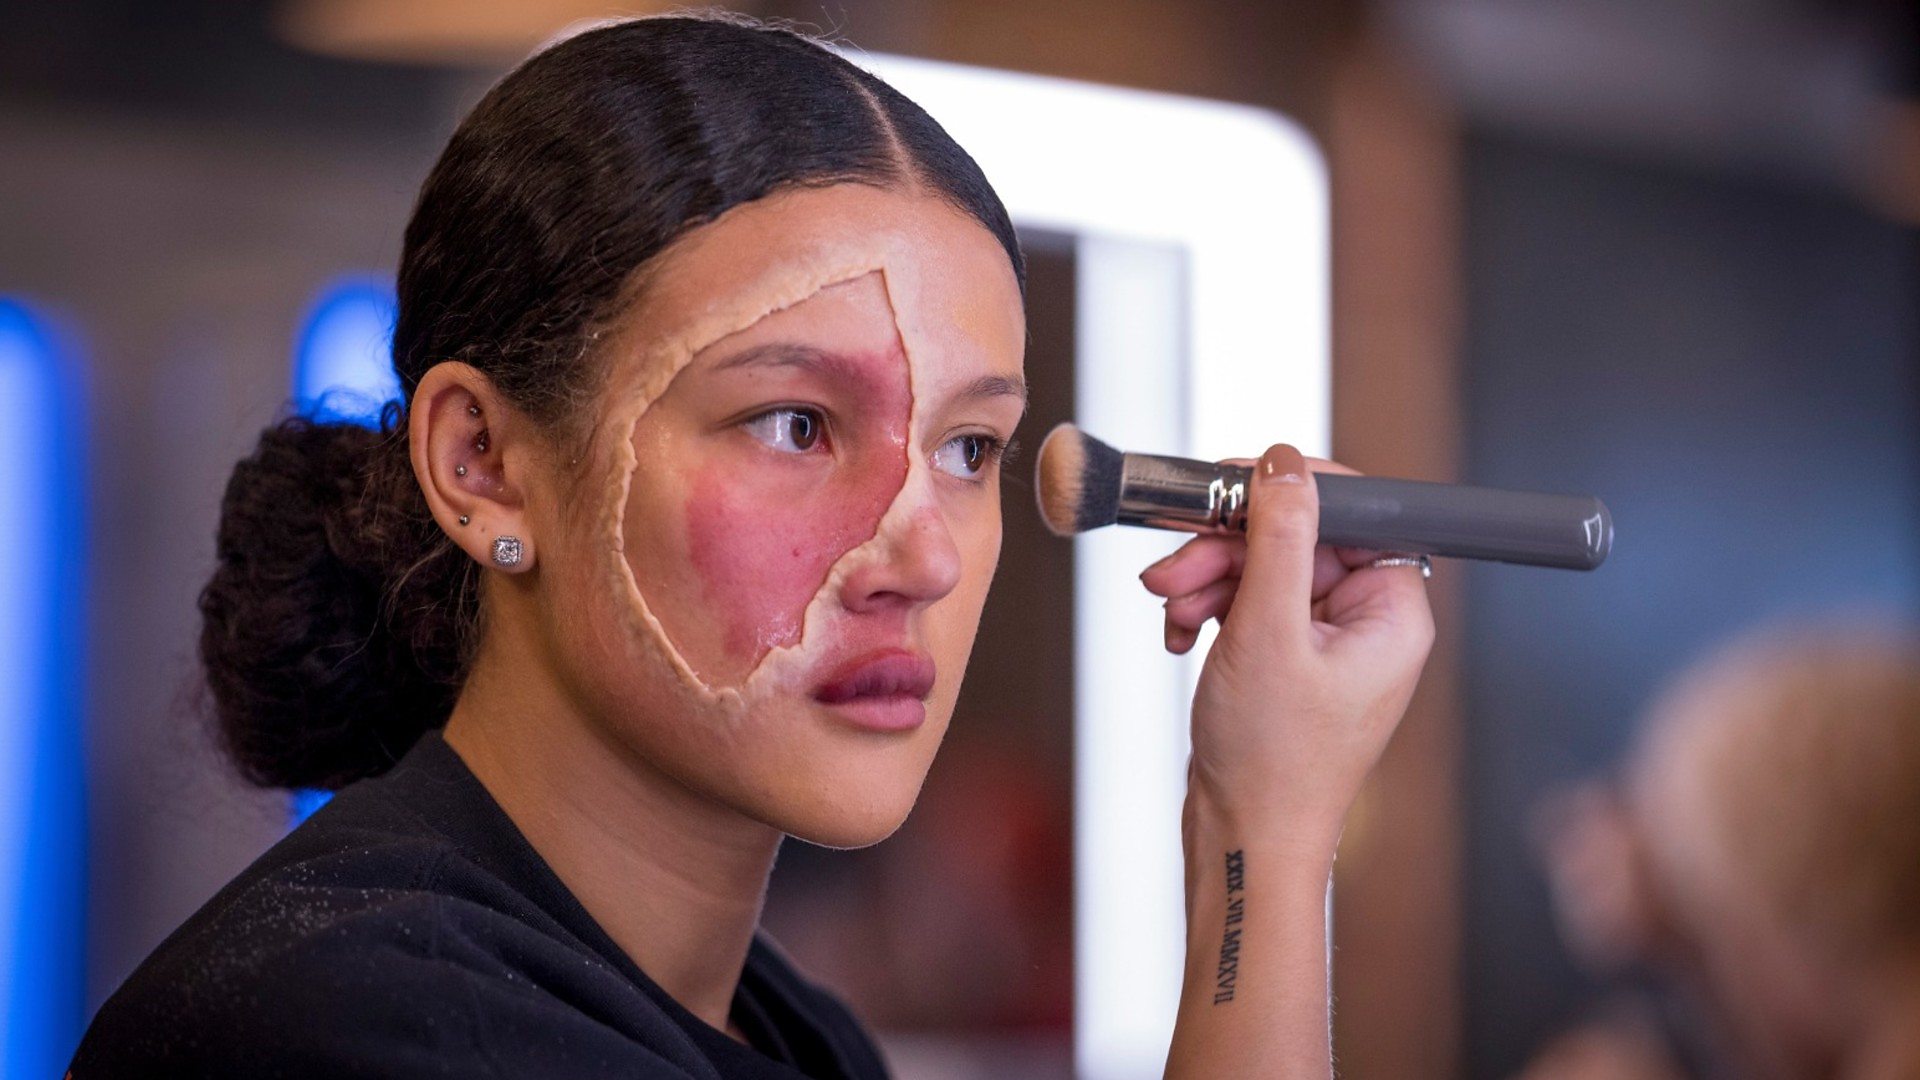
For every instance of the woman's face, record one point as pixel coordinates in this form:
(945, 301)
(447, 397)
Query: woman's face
(769, 582)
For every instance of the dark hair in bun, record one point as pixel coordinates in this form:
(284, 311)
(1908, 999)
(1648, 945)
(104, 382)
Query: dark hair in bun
(340, 620)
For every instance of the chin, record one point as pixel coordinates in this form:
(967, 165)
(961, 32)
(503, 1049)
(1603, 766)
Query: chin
(842, 808)
(833, 786)
(847, 834)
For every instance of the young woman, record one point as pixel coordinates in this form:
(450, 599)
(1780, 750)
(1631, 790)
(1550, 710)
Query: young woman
(710, 343)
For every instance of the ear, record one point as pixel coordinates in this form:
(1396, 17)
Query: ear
(473, 454)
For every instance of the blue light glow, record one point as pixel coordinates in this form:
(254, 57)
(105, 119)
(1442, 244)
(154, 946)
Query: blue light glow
(343, 373)
(42, 781)
(305, 802)
(343, 361)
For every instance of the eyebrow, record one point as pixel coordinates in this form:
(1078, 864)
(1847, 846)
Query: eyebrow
(996, 386)
(778, 354)
(793, 354)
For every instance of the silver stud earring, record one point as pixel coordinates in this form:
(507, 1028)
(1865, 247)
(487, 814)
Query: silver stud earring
(459, 470)
(473, 410)
(506, 551)
(463, 519)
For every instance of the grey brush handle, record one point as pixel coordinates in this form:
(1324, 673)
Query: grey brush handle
(1574, 532)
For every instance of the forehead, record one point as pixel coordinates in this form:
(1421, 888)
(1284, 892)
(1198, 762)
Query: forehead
(853, 316)
(945, 278)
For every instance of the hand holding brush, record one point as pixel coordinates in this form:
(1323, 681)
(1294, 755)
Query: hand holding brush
(1297, 696)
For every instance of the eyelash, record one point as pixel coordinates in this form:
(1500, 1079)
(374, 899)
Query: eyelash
(818, 419)
(991, 455)
(995, 452)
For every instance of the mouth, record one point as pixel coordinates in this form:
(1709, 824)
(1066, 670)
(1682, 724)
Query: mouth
(885, 690)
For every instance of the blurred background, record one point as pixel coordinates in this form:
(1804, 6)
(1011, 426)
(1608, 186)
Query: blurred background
(1661, 251)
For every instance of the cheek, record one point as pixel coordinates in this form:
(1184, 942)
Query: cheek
(761, 549)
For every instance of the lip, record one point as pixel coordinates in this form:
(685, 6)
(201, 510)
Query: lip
(884, 690)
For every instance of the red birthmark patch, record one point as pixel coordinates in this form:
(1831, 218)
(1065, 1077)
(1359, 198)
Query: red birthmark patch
(763, 543)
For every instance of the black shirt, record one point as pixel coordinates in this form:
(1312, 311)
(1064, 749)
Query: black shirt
(408, 929)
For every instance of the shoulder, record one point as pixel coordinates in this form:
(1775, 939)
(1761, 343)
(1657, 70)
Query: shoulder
(358, 949)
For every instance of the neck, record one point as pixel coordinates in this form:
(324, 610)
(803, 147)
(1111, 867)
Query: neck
(675, 880)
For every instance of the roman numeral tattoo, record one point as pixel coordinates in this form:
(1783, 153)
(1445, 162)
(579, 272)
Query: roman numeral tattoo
(1228, 977)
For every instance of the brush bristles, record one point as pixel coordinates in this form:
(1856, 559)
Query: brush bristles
(1077, 481)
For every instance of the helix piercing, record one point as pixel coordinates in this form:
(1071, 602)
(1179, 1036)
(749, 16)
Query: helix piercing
(463, 519)
(473, 410)
(459, 470)
(507, 550)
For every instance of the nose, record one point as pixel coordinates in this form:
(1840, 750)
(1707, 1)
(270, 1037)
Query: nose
(918, 563)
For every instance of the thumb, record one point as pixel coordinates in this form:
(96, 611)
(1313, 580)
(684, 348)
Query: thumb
(1283, 527)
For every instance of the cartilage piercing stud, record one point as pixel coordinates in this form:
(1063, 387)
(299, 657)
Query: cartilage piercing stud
(473, 410)
(463, 519)
(480, 443)
(459, 470)
(506, 550)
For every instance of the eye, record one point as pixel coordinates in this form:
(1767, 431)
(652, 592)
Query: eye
(788, 430)
(967, 456)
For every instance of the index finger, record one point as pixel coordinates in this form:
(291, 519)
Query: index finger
(1317, 464)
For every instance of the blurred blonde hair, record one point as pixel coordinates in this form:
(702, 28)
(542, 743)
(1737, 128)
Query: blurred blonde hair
(1790, 759)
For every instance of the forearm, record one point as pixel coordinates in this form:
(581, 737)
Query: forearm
(1255, 999)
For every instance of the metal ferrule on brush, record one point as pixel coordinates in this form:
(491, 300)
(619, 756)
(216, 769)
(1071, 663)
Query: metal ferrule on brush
(1183, 494)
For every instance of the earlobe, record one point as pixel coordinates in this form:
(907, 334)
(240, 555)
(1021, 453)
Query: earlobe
(459, 433)
(509, 552)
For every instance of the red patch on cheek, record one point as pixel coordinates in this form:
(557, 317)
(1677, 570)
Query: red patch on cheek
(762, 545)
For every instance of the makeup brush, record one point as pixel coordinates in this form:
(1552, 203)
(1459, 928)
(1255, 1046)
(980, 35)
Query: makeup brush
(1082, 483)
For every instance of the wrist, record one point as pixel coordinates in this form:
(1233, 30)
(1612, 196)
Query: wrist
(1295, 864)
(1303, 837)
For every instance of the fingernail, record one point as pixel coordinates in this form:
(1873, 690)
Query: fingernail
(1282, 464)
(1162, 561)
